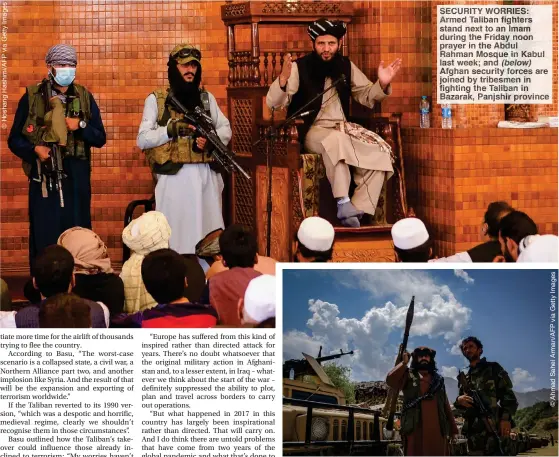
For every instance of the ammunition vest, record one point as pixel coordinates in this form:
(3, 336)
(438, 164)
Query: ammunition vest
(168, 158)
(36, 127)
(411, 419)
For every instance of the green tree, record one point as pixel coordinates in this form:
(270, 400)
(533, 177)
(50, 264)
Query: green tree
(528, 417)
(340, 378)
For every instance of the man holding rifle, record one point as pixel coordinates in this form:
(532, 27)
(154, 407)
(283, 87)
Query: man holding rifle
(326, 130)
(488, 401)
(427, 421)
(56, 124)
(188, 191)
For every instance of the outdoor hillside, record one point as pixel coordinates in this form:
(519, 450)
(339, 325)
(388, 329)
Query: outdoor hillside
(540, 419)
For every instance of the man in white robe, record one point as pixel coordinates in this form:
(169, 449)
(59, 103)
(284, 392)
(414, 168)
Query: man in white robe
(327, 132)
(188, 192)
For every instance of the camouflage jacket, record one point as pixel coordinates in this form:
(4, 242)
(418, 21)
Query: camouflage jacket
(495, 389)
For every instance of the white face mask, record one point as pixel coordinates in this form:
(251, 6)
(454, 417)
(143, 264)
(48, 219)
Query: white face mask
(64, 76)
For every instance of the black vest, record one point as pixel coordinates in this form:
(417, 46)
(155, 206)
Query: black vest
(485, 252)
(308, 89)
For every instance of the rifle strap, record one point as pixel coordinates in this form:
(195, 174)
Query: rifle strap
(437, 383)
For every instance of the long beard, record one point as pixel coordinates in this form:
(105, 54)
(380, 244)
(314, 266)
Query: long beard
(320, 69)
(431, 366)
(187, 93)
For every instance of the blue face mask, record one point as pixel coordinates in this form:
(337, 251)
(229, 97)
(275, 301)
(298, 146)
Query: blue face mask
(64, 76)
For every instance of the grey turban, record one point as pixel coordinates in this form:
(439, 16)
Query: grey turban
(61, 54)
(324, 26)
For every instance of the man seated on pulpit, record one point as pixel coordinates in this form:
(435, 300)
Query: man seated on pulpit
(326, 129)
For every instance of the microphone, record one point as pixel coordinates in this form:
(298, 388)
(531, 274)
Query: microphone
(306, 113)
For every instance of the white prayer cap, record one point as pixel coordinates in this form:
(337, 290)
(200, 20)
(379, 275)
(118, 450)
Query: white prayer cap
(539, 248)
(260, 298)
(316, 234)
(409, 233)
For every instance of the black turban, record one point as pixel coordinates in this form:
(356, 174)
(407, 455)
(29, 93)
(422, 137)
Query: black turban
(424, 350)
(324, 26)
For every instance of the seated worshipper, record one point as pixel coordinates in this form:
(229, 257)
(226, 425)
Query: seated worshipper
(53, 275)
(237, 245)
(143, 235)
(488, 251)
(326, 131)
(5, 296)
(64, 311)
(95, 279)
(411, 241)
(314, 241)
(195, 277)
(265, 265)
(164, 273)
(7, 316)
(259, 302)
(207, 250)
(516, 232)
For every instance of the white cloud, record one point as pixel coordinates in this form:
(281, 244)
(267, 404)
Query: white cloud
(439, 316)
(522, 380)
(464, 275)
(455, 349)
(402, 283)
(450, 372)
(296, 342)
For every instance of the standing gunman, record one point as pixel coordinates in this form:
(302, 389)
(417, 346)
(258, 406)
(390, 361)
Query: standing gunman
(487, 400)
(427, 421)
(56, 124)
(188, 191)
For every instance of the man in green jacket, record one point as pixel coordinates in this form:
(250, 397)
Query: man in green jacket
(494, 388)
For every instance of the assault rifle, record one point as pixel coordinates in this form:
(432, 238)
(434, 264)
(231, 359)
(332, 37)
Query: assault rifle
(52, 168)
(482, 411)
(204, 125)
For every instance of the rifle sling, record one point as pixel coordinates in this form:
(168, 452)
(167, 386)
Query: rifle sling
(436, 384)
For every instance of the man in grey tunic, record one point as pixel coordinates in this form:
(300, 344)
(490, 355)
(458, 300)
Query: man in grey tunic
(326, 130)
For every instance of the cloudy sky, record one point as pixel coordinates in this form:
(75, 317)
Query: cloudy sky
(365, 311)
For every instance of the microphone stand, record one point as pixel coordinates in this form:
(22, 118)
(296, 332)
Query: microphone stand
(271, 135)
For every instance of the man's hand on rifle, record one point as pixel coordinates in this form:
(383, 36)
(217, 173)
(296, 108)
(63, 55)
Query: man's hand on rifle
(179, 128)
(504, 428)
(201, 142)
(42, 152)
(465, 401)
(73, 123)
(406, 357)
